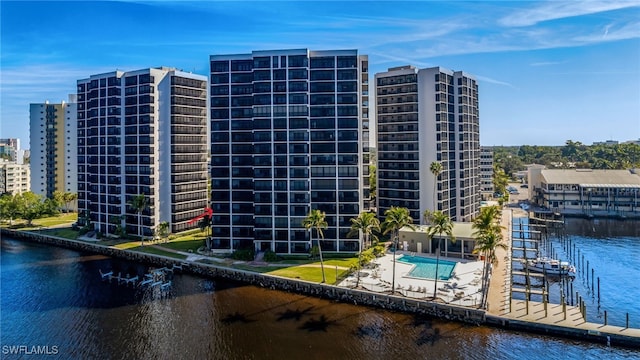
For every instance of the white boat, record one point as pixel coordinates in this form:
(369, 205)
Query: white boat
(550, 266)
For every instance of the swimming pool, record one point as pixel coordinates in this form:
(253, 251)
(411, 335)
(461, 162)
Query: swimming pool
(426, 267)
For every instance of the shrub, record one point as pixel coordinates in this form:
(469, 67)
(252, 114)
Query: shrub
(270, 256)
(244, 254)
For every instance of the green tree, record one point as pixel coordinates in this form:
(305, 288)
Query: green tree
(68, 198)
(366, 223)
(162, 231)
(58, 198)
(9, 207)
(138, 204)
(31, 206)
(316, 219)
(440, 223)
(436, 169)
(395, 219)
(488, 234)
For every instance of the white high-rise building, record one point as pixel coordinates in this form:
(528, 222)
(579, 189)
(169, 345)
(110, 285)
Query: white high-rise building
(142, 132)
(289, 133)
(425, 116)
(53, 146)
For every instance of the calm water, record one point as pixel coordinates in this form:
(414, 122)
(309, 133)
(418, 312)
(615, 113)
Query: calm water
(426, 267)
(53, 297)
(612, 250)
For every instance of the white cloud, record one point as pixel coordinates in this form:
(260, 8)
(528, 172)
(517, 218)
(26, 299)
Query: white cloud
(553, 10)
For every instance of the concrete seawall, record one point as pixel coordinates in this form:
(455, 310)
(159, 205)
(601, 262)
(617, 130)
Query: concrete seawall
(354, 296)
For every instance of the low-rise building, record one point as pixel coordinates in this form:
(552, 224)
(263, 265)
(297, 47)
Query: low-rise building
(586, 192)
(418, 241)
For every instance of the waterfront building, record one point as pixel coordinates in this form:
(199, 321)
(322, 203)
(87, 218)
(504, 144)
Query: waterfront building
(289, 133)
(486, 172)
(586, 192)
(142, 132)
(52, 135)
(425, 116)
(14, 177)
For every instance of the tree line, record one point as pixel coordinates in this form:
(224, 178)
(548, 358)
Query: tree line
(573, 154)
(29, 206)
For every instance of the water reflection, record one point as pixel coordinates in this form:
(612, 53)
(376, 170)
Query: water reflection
(64, 303)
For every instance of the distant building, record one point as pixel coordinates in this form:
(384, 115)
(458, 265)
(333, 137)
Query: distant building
(637, 142)
(585, 191)
(424, 116)
(9, 148)
(486, 172)
(289, 133)
(142, 132)
(52, 133)
(606, 142)
(14, 178)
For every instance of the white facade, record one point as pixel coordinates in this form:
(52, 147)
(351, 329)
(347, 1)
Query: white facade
(14, 178)
(53, 149)
(425, 116)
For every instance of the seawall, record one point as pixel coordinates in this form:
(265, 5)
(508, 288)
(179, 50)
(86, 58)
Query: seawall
(330, 292)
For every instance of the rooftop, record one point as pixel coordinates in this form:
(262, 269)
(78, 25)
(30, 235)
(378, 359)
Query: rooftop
(589, 177)
(462, 230)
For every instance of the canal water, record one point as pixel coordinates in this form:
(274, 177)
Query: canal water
(53, 298)
(607, 249)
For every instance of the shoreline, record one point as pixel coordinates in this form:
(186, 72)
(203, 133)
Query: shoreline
(597, 333)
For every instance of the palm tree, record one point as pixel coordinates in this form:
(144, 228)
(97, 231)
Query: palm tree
(316, 220)
(138, 203)
(366, 223)
(395, 219)
(436, 169)
(440, 224)
(487, 221)
(488, 233)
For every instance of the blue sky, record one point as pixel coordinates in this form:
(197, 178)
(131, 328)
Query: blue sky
(548, 71)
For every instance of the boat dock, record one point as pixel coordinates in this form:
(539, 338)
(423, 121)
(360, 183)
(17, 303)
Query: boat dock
(154, 278)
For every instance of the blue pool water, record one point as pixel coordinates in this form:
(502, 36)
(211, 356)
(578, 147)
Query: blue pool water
(426, 267)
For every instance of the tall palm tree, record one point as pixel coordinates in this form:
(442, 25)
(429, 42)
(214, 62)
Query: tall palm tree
(488, 234)
(367, 223)
(487, 221)
(395, 219)
(138, 203)
(440, 224)
(436, 169)
(316, 220)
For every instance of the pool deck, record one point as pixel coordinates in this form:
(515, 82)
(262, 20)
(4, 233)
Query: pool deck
(462, 288)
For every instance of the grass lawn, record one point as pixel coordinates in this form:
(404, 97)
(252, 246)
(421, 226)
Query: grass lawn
(68, 218)
(66, 233)
(122, 245)
(313, 274)
(183, 244)
(62, 219)
(156, 251)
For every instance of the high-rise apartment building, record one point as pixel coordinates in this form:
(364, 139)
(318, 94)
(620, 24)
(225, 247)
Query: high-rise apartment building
(289, 133)
(142, 132)
(52, 135)
(486, 172)
(425, 116)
